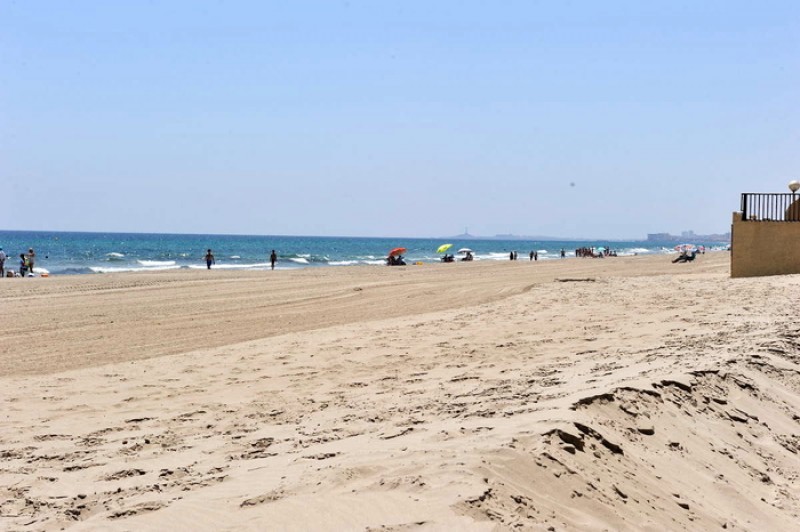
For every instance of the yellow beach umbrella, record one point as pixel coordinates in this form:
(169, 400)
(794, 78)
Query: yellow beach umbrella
(443, 248)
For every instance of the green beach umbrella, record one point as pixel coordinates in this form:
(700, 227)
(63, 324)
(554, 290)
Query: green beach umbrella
(443, 248)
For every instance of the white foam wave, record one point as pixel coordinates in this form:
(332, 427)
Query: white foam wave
(115, 255)
(300, 260)
(156, 263)
(103, 269)
(218, 266)
(235, 257)
(343, 262)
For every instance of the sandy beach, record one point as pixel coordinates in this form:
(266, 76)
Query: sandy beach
(623, 393)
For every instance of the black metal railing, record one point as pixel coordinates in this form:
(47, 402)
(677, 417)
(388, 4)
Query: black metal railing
(763, 207)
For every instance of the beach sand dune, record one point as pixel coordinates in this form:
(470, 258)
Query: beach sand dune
(625, 394)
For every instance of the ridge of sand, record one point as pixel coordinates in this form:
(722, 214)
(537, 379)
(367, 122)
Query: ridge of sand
(639, 401)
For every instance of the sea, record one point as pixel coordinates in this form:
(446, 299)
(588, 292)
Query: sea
(67, 253)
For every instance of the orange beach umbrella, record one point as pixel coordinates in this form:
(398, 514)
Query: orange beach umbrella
(397, 251)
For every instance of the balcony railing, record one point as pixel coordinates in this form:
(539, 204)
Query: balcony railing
(762, 207)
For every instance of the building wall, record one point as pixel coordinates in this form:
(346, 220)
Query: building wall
(764, 248)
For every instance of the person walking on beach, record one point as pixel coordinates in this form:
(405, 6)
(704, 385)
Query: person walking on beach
(31, 259)
(2, 263)
(23, 265)
(209, 259)
(273, 258)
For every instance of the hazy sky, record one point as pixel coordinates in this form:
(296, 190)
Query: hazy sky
(393, 118)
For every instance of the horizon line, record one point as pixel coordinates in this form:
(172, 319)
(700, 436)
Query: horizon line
(463, 235)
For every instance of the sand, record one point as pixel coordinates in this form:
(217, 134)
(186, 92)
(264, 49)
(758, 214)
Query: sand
(583, 394)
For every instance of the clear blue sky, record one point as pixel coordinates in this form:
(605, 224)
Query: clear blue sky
(395, 118)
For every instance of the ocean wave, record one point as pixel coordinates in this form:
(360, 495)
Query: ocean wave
(114, 256)
(235, 257)
(156, 263)
(104, 269)
(344, 262)
(72, 271)
(306, 258)
(218, 266)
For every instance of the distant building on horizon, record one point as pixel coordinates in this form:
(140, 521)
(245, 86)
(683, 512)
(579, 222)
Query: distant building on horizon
(688, 236)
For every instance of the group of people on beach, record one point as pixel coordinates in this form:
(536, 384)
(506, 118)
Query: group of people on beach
(686, 255)
(452, 258)
(395, 260)
(26, 263)
(595, 252)
(533, 255)
(209, 258)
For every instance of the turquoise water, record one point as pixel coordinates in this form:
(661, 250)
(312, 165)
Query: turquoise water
(84, 253)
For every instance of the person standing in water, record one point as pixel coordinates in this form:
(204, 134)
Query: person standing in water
(273, 258)
(31, 259)
(209, 259)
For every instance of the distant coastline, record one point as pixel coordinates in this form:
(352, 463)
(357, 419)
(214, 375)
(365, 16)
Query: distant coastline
(537, 238)
(686, 236)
